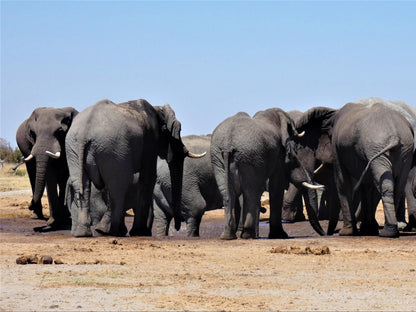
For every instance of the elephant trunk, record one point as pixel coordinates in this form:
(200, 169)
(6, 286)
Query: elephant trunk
(311, 203)
(176, 176)
(40, 181)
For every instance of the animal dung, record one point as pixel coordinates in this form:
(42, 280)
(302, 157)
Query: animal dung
(298, 250)
(34, 259)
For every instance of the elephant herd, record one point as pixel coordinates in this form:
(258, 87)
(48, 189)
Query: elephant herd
(98, 163)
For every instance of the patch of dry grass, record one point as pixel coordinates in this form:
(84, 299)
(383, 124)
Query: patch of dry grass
(13, 180)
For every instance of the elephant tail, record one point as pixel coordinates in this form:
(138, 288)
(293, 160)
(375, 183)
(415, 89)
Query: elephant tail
(394, 142)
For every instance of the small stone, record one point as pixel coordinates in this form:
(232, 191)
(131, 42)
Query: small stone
(58, 261)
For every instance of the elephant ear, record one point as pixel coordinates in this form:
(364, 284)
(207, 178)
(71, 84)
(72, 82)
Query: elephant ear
(320, 117)
(171, 129)
(288, 131)
(318, 122)
(68, 117)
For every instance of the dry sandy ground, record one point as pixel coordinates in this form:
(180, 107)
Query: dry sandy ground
(200, 274)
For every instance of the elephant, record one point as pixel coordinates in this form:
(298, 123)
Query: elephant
(245, 153)
(199, 191)
(370, 146)
(314, 150)
(115, 148)
(409, 113)
(292, 201)
(41, 139)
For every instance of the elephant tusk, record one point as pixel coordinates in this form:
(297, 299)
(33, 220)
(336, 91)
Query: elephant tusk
(312, 186)
(28, 158)
(192, 155)
(301, 134)
(56, 155)
(319, 168)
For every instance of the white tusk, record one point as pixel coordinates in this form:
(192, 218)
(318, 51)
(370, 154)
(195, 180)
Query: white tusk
(311, 186)
(192, 155)
(301, 134)
(28, 158)
(319, 168)
(56, 155)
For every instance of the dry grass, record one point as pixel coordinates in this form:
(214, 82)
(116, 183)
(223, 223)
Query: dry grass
(13, 180)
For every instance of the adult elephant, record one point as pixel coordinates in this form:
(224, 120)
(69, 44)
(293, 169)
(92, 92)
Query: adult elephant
(115, 147)
(41, 139)
(245, 153)
(199, 190)
(371, 150)
(315, 151)
(409, 113)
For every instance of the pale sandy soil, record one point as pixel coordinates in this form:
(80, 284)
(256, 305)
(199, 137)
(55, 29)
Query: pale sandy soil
(205, 274)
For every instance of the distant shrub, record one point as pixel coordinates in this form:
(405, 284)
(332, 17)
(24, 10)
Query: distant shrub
(7, 153)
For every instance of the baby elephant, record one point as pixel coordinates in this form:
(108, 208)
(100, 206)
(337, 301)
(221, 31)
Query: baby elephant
(199, 191)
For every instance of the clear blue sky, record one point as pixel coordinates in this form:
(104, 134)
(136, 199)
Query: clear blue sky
(208, 60)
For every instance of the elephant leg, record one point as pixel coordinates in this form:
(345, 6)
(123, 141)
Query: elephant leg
(35, 207)
(334, 208)
(141, 209)
(384, 181)
(194, 210)
(251, 211)
(369, 201)
(51, 188)
(345, 186)
(239, 215)
(276, 192)
(64, 213)
(161, 214)
(118, 227)
(293, 205)
(230, 227)
(411, 200)
(192, 225)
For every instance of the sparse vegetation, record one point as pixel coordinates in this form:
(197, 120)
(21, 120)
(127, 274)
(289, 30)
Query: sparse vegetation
(8, 154)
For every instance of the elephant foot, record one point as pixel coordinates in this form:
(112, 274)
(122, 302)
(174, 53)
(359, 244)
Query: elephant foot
(401, 225)
(248, 234)
(228, 236)
(37, 215)
(104, 226)
(347, 231)
(140, 232)
(411, 226)
(278, 235)
(193, 234)
(81, 231)
(390, 231)
(369, 229)
(59, 224)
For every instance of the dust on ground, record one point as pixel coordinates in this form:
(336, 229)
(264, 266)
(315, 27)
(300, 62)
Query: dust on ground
(201, 274)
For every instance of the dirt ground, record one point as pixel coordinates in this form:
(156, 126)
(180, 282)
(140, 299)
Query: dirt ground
(200, 274)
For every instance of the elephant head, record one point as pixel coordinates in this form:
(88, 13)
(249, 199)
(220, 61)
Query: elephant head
(41, 138)
(174, 151)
